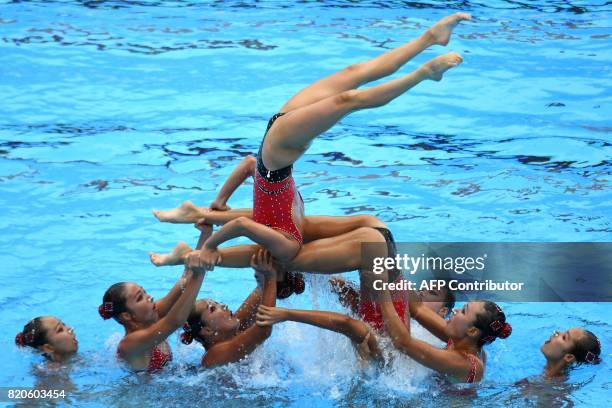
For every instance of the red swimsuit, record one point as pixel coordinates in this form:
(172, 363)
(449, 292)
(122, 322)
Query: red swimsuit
(370, 312)
(472, 374)
(273, 195)
(159, 359)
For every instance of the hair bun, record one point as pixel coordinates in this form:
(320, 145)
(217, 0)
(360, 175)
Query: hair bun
(104, 312)
(20, 339)
(505, 331)
(186, 338)
(298, 283)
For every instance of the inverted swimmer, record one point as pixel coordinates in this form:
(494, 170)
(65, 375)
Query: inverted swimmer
(228, 337)
(278, 209)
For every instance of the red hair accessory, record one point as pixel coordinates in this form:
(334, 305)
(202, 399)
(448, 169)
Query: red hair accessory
(591, 358)
(298, 283)
(505, 331)
(496, 325)
(488, 339)
(186, 338)
(106, 310)
(23, 339)
(293, 283)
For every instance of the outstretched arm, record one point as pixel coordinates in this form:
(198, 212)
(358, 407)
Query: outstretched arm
(164, 304)
(355, 330)
(245, 169)
(247, 341)
(347, 295)
(443, 361)
(140, 341)
(426, 317)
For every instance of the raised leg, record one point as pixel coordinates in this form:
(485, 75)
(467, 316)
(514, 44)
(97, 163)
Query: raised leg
(189, 213)
(381, 66)
(337, 254)
(322, 226)
(291, 134)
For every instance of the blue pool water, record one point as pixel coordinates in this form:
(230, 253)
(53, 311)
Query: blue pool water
(112, 108)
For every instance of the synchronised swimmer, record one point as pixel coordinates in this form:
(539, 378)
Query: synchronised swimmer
(289, 243)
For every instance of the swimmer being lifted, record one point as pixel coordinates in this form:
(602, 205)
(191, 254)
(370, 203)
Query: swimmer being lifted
(278, 209)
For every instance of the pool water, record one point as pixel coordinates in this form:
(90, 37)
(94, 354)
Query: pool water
(113, 108)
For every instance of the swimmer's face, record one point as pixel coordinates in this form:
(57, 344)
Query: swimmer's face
(216, 318)
(559, 344)
(433, 299)
(461, 322)
(140, 305)
(61, 340)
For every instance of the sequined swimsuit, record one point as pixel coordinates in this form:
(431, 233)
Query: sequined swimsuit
(472, 358)
(158, 360)
(369, 310)
(274, 193)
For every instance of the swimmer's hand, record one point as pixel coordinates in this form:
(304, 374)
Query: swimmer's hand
(262, 262)
(209, 258)
(267, 316)
(192, 262)
(202, 225)
(219, 205)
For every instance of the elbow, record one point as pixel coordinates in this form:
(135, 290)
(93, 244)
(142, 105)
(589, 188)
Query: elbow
(250, 163)
(250, 160)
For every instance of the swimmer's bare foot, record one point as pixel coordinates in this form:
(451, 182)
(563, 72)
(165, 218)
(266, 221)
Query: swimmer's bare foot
(435, 68)
(186, 213)
(440, 32)
(175, 257)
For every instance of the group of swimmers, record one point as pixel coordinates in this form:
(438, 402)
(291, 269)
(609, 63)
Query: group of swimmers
(288, 243)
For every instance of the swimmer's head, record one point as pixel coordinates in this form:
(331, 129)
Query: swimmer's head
(210, 322)
(293, 283)
(480, 320)
(50, 336)
(129, 304)
(440, 301)
(571, 347)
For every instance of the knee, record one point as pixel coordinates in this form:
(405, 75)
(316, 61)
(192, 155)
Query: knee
(369, 234)
(371, 221)
(349, 99)
(241, 223)
(353, 69)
